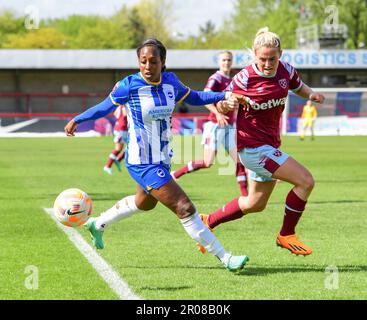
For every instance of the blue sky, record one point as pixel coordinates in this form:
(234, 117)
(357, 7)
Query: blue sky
(188, 14)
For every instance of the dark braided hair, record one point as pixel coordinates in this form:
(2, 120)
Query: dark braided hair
(158, 45)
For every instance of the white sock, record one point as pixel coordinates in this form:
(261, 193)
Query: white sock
(198, 231)
(121, 210)
(112, 156)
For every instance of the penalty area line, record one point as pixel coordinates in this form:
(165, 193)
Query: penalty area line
(110, 276)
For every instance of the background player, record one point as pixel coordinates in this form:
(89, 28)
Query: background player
(308, 117)
(150, 97)
(120, 137)
(258, 140)
(220, 129)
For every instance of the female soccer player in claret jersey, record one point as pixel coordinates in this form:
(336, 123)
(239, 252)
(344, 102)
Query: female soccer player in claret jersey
(220, 129)
(266, 83)
(150, 97)
(120, 138)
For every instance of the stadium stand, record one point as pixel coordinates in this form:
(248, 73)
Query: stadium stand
(38, 84)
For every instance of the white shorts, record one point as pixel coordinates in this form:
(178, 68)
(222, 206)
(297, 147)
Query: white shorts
(214, 136)
(120, 137)
(262, 162)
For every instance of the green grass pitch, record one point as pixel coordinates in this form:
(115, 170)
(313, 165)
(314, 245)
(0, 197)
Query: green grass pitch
(151, 251)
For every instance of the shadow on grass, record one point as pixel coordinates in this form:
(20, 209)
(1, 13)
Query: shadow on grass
(167, 288)
(339, 201)
(327, 202)
(251, 270)
(260, 270)
(341, 181)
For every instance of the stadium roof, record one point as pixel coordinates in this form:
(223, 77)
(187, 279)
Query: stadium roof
(176, 59)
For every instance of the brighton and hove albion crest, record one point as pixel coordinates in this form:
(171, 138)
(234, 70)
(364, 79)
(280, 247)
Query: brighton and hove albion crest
(283, 83)
(170, 95)
(160, 173)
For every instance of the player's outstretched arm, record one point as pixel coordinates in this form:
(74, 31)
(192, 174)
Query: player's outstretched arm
(306, 92)
(233, 101)
(98, 111)
(246, 102)
(230, 104)
(200, 98)
(70, 128)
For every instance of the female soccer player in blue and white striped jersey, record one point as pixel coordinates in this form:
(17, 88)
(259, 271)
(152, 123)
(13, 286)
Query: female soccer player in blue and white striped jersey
(150, 97)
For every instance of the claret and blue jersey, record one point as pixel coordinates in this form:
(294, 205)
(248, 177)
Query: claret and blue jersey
(149, 107)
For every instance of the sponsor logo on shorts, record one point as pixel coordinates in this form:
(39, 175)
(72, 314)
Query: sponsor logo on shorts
(160, 173)
(277, 153)
(262, 161)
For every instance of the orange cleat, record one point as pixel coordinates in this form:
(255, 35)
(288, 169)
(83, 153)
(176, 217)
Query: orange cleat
(204, 218)
(293, 244)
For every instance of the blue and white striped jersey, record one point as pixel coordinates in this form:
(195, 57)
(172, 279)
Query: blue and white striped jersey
(149, 109)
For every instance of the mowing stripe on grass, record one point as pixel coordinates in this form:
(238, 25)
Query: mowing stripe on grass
(110, 276)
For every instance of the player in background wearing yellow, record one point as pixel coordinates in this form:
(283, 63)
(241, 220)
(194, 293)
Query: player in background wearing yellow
(120, 137)
(308, 117)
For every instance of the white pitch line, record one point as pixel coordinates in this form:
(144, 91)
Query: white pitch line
(110, 276)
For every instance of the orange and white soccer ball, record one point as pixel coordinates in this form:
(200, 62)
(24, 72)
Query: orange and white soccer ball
(73, 207)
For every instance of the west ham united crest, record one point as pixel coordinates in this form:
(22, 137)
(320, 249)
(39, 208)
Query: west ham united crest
(277, 153)
(283, 83)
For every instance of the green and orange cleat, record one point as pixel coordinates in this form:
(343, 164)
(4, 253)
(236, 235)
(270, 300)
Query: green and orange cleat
(236, 263)
(118, 164)
(96, 235)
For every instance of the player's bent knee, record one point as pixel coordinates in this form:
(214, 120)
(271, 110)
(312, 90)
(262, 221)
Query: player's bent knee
(256, 207)
(184, 208)
(146, 206)
(309, 182)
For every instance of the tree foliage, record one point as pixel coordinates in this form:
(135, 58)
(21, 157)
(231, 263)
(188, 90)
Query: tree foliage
(105, 34)
(155, 16)
(10, 25)
(43, 38)
(250, 15)
(129, 26)
(352, 13)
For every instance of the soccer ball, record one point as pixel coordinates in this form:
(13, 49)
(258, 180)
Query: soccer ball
(73, 207)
